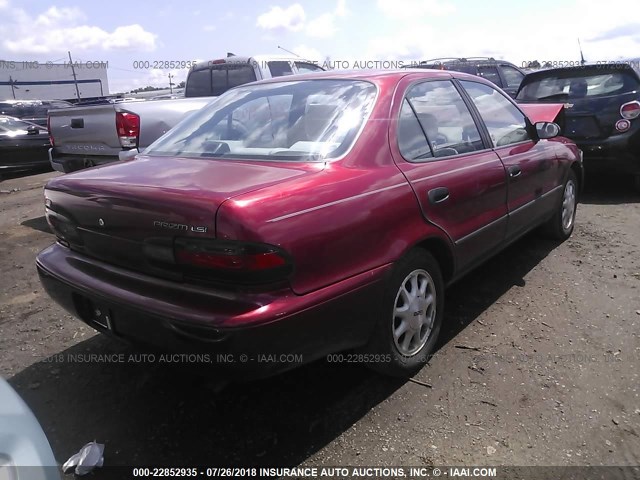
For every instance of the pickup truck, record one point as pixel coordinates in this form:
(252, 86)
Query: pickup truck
(87, 136)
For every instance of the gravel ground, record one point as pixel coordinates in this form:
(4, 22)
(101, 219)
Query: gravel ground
(538, 365)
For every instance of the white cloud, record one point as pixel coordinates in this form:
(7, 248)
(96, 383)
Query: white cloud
(209, 28)
(60, 29)
(4, 4)
(278, 18)
(293, 18)
(415, 8)
(607, 35)
(308, 53)
(322, 26)
(341, 9)
(57, 16)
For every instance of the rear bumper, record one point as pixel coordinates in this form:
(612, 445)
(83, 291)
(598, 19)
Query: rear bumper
(618, 153)
(72, 163)
(243, 335)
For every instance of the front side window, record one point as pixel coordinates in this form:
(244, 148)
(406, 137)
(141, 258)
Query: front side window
(443, 118)
(506, 123)
(296, 120)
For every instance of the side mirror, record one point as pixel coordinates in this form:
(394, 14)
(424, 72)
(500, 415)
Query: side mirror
(33, 130)
(546, 130)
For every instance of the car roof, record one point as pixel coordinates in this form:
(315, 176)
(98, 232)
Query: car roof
(237, 59)
(373, 75)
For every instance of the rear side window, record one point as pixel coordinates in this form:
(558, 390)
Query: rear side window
(512, 76)
(579, 84)
(490, 73)
(412, 141)
(505, 122)
(443, 118)
(280, 69)
(305, 67)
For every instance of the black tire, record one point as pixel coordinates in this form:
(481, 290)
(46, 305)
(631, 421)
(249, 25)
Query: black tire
(636, 183)
(385, 348)
(559, 227)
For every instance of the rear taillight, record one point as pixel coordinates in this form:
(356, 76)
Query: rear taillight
(128, 127)
(630, 110)
(49, 130)
(229, 261)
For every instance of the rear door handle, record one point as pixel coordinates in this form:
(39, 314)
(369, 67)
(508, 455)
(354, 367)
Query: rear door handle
(438, 195)
(514, 171)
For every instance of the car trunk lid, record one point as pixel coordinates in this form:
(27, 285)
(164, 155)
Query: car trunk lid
(130, 214)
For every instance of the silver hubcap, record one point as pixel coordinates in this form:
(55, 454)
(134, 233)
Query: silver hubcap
(414, 312)
(568, 205)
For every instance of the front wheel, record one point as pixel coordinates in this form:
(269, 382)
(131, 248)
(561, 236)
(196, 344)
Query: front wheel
(561, 224)
(410, 321)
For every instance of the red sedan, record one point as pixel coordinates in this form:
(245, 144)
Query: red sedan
(297, 217)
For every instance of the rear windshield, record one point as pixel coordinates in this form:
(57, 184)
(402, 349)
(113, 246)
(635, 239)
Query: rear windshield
(297, 120)
(575, 84)
(218, 79)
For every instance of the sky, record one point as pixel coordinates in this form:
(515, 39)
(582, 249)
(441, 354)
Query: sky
(124, 33)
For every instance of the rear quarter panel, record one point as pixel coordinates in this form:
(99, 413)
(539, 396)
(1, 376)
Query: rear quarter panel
(358, 213)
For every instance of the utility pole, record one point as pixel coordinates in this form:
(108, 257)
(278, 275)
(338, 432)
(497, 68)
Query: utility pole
(75, 80)
(13, 87)
(171, 84)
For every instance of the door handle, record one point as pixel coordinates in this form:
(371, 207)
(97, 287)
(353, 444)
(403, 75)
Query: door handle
(438, 195)
(514, 171)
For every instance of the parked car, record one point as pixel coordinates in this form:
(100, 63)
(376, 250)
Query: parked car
(602, 111)
(89, 136)
(34, 111)
(25, 453)
(23, 145)
(308, 215)
(500, 72)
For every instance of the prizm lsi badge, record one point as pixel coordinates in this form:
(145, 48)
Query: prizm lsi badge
(180, 226)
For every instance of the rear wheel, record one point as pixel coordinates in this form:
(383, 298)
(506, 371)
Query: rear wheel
(410, 322)
(561, 224)
(636, 183)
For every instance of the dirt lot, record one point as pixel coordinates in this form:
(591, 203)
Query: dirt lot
(548, 374)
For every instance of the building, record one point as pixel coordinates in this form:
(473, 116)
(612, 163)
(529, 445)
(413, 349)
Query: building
(25, 80)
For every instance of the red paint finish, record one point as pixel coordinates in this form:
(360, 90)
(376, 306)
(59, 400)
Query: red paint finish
(342, 224)
(541, 112)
